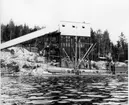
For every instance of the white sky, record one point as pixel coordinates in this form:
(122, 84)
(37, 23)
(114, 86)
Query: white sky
(112, 15)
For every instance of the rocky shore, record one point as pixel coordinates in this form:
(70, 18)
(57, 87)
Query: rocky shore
(17, 60)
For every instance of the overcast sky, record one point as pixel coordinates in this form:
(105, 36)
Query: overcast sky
(111, 15)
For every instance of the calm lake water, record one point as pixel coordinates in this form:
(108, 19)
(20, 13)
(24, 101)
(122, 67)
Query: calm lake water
(65, 90)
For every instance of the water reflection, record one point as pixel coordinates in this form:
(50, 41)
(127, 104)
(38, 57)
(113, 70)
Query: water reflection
(76, 90)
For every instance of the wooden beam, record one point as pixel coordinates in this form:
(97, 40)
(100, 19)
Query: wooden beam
(27, 37)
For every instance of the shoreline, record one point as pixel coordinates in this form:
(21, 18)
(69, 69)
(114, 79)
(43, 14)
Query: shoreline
(86, 73)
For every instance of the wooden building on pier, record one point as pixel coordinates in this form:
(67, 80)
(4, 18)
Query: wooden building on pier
(67, 42)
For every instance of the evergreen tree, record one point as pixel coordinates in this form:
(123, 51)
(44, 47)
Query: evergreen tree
(99, 42)
(93, 55)
(2, 32)
(11, 29)
(6, 34)
(93, 40)
(122, 48)
(25, 30)
(106, 43)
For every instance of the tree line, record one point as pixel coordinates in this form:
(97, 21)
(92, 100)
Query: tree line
(103, 46)
(11, 31)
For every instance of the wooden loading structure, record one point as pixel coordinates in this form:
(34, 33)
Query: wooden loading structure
(68, 43)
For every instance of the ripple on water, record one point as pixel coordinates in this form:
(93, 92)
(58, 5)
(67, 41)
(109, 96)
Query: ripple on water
(79, 100)
(5, 96)
(108, 88)
(68, 87)
(72, 90)
(79, 92)
(47, 94)
(122, 95)
(37, 102)
(56, 92)
(91, 93)
(97, 84)
(35, 94)
(64, 102)
(100, 96)
(63, 97)
(37, 86)
(71, 95)
(36, 98)
(114, 99)
(83, 95)
(107, 103)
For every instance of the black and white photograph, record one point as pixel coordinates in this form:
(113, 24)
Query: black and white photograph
(64, 52)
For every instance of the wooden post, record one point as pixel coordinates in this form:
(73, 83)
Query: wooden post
(79, 48)
(79, 45)
(60, 38)
(30, 47)
(76, 57)
(70, 47)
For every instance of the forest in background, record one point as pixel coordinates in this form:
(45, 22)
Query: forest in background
(103, 42)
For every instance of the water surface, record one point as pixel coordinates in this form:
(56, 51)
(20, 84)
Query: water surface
(65, 90)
